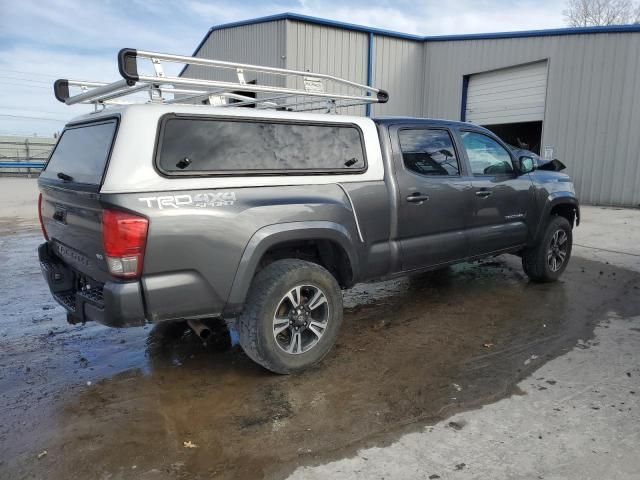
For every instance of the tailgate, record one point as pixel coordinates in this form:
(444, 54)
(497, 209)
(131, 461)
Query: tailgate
(69, 184)
(73, 222)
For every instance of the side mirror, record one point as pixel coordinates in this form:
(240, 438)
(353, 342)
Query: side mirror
(554, 165)
(526, 164)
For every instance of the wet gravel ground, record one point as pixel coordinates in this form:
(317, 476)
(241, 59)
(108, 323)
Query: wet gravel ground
(106, 403)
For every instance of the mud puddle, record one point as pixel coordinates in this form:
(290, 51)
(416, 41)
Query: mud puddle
(110, 403)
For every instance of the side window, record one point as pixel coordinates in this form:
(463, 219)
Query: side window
(486, 156)
(428, 152)
(206, 146)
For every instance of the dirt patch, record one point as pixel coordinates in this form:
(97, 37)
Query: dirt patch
(411, 352)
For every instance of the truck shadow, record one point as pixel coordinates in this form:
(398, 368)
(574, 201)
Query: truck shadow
(411, 352)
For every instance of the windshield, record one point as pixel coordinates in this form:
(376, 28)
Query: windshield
(81, 153)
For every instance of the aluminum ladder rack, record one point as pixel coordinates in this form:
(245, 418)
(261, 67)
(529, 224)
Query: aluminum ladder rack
(318, 91)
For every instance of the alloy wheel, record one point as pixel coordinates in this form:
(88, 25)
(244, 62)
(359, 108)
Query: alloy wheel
(557, 252)
(301, 319)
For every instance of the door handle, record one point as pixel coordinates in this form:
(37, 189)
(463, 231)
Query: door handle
(417, 197)
(483, 193)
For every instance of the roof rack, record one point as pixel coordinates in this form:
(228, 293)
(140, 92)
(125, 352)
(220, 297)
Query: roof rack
(315, 93)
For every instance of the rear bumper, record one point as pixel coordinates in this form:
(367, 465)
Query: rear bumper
(113, 304)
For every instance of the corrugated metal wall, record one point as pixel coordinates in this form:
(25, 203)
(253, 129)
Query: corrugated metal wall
(330, 50)
(398, 67)
(258, 44)
(592, 114)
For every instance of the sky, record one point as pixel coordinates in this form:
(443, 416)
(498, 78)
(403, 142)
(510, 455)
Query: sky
(42, 40)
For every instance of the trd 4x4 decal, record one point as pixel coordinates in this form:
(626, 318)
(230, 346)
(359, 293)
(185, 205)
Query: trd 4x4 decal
(198, 200)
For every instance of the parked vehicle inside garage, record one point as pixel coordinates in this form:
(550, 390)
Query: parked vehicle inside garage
(168, 210)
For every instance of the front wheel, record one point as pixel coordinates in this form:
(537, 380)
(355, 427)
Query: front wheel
(292, 316)
(548, 259)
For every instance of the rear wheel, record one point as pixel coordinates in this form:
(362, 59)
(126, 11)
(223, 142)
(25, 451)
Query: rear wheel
(546, 261)
(292, 316)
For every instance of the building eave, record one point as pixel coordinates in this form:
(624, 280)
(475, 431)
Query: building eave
(419, 38)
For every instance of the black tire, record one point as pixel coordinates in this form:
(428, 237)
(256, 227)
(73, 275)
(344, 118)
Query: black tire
(536, 261)
(268, 291)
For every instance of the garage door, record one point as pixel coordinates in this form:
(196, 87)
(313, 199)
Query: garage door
(508, 95)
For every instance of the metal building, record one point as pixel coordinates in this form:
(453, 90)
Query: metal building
(572, 94)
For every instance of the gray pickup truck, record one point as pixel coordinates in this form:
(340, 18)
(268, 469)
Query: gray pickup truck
(176, 210)
(159, 212)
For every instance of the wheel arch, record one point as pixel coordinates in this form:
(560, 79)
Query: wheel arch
(562, 204)
(279, 238)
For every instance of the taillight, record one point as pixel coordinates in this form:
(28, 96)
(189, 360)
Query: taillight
(44, 231)
(124, 237)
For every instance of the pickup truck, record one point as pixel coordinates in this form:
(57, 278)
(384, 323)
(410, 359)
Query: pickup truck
(161, 212)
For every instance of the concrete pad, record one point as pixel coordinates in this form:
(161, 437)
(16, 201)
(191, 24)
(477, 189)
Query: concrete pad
(19, 199)
(609, 234)
(577, 418)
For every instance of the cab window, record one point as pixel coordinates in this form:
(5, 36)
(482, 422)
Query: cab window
(428, 152)
(486, 156)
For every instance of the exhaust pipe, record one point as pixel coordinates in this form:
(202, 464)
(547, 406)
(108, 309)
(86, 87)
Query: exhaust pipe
(199, 328)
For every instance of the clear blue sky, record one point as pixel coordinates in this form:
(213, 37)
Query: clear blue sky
(44, 40)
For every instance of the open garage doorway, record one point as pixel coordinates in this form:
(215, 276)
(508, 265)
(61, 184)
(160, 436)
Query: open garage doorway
(524, 135)
(510, 102)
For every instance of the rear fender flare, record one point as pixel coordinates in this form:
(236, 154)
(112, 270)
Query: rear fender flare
(272, 235)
